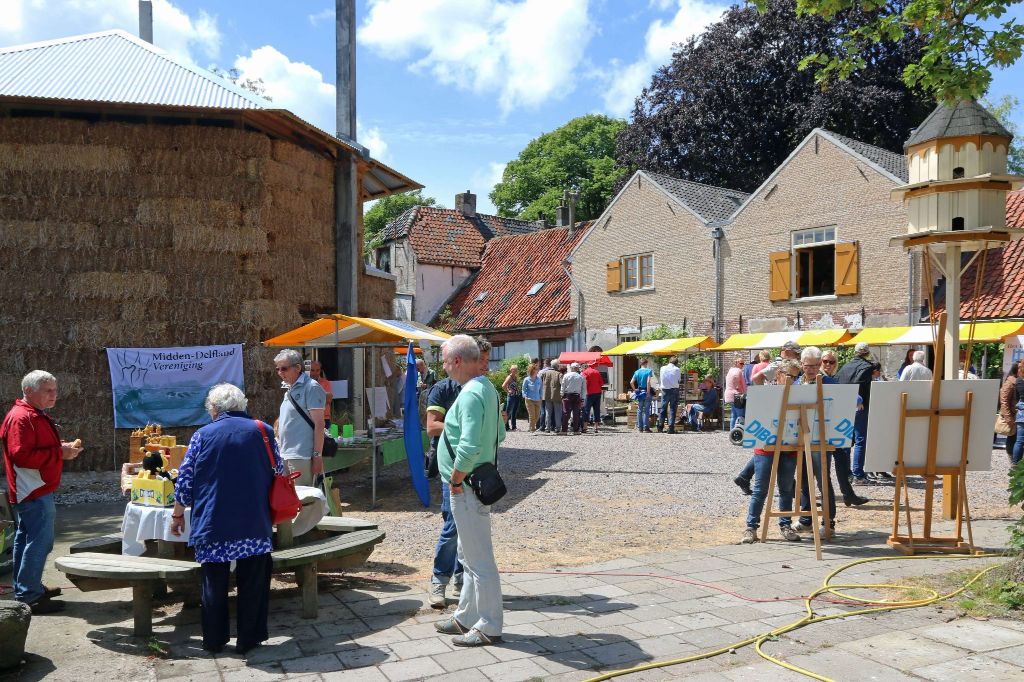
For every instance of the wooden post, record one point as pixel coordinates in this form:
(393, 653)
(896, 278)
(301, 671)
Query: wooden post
(142, 608)
(283, 537)
(306, 576)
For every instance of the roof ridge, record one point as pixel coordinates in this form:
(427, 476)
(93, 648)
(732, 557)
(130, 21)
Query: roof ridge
(694, 182)
(866, 144)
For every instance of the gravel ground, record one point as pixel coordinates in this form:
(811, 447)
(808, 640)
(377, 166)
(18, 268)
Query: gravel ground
(579, 499)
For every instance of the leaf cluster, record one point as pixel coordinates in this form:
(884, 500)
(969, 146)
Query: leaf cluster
(579, 155)
(253, 85)
(733, 103)
(387, 209)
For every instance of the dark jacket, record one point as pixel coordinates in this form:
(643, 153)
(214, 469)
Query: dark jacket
(857, 371)
(231, 481)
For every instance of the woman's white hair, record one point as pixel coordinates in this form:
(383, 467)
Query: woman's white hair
(35, 379)
(462, 346)
(812, 353)
(226, 398)
(919, 356)
(289, 355)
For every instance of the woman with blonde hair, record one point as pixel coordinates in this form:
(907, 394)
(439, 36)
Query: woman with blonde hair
(532, 394)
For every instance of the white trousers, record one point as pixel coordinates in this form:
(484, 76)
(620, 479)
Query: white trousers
(480, 603)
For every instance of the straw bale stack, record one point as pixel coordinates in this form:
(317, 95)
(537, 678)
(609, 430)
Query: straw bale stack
(134, 235)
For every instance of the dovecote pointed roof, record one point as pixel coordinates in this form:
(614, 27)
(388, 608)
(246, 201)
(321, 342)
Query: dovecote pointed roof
(966, 117)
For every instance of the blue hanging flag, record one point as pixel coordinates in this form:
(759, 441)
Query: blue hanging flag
(413, 435)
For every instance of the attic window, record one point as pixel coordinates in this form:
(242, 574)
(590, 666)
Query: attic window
(958, 224)
(535, 288)
(958, 172)
(481, 296)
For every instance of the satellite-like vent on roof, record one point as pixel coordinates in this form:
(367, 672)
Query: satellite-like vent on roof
(535, 288)
(481, 296)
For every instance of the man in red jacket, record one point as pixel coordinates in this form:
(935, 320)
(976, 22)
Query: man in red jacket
(34, 456)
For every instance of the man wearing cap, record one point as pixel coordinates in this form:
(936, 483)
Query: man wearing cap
(859, 371)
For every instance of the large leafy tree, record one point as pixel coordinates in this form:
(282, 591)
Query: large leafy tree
(578, 156)
(732, 104)
(387, 209)
(1005, 110)
(962, 41)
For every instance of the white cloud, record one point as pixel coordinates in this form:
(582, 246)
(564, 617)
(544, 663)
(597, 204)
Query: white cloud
(484, 179)
(321, 16)
(526, 51)
(623, 82)
(194, 39)
(371, 138)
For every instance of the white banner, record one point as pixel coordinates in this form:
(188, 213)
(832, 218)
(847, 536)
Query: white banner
(1013, 351)
(168, 386)
(761, 421)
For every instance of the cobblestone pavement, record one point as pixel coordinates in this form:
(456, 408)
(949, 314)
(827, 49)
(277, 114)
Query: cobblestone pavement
(561, 626)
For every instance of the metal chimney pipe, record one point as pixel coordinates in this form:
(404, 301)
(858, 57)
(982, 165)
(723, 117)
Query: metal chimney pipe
(146, 20)
(345, 65)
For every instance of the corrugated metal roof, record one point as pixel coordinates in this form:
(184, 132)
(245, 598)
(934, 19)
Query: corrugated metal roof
(114, 66)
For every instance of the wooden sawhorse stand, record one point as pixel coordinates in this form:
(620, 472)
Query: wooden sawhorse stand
(908, 544)
(804, 466)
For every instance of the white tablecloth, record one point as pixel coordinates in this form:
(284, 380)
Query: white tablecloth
(143, 523)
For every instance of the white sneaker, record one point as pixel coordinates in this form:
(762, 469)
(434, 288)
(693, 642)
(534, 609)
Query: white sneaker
(436, 596)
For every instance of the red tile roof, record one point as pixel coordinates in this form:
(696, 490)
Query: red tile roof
(444, 236)
(511, 268)
(1002, 288)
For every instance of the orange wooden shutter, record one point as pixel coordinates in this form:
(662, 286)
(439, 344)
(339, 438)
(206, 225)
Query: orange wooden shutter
(779, 275)
(613, 278)
(847, 262)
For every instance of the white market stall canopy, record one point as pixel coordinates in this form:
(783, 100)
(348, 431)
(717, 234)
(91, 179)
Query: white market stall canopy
(924, 334)
(686, 344)
(816, 337)
(343, 331)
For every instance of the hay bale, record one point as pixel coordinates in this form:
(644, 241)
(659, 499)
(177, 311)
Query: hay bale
(187, 211)
(117, 285)
(43, 234)
(222, 239)
(262, 315)
(76, 157)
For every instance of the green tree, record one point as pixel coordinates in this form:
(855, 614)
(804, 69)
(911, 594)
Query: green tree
(254, 85)
(964, 40)
(580, 155)
(1004, 110)
(387, 209)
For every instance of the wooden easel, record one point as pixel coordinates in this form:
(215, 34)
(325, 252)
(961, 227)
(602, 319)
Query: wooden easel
(908, 544)
(804, 465)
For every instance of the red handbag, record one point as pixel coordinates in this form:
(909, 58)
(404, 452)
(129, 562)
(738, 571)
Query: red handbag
(284, 501)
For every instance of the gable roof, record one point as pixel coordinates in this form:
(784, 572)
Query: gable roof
(444, 236)
(1002, 288)
(511, 266)
(116, 68)
(707, 201)
(894, 163)
(966, 117)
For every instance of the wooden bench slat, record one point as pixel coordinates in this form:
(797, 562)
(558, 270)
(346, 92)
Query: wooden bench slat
(329, 548)
(117, 567)
(344, 524)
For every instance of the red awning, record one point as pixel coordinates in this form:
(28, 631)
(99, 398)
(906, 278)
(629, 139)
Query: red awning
(584, 358)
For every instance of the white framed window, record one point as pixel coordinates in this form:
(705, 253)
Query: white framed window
(535, 288)
(496, 358)
(637, 272)
(814, 262)
(551, 348)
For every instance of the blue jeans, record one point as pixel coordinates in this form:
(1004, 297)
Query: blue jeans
(747, 473)
(784, 481)
(512, 409)
(805, 498)
(643, 411)
(860, 442)
(695, 409)
(736, 413)
(33, 542)
(446, 560)
(1018, 446)
(551, 415)
(669, 405)
(841, 457)
(592, 408)
(480, 604)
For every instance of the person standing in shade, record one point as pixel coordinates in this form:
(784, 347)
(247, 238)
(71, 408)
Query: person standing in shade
(1018, 417)
(300, 422)
(669, 377)
(473, 430)
(640, 383)
(859, 371)
(735, 385)
(226, 477)
(34, 457)
(916, 371)
(1008, 406)
(573, 390)
(316, 374)
(592, 406)
(513, 396)
(810, 364)
(841, 456)
(551, 403)
(531, 395)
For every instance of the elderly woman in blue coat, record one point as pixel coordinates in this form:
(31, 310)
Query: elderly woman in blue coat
(226, 477)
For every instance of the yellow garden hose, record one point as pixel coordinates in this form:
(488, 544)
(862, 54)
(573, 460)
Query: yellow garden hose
(828, 587)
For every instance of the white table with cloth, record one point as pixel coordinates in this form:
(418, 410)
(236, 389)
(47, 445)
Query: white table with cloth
(143, 523)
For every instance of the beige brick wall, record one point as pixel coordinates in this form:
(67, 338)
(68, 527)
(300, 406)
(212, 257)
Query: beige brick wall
(821, 186)
(646, 220)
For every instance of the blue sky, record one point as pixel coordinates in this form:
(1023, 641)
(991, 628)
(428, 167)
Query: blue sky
(448, 90)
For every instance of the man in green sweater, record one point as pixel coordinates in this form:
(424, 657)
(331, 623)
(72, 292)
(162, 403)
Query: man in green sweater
(473, 427)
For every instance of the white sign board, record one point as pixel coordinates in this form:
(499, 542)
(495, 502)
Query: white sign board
(764, 402)
(377, 399)
(884, 424)
(1013, 351)
(339, 388)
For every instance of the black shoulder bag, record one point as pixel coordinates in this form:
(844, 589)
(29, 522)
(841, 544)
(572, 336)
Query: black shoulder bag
(330, 445)
(484, 479)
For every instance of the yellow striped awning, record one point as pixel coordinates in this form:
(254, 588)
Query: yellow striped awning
(924, 334)
(686, 344)
(342, 330)
(624, 347)
(814, 337)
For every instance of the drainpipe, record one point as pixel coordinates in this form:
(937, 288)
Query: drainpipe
(718, 234)
(579, 332)
(910, 290)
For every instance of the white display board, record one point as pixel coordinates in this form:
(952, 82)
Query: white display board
(1013, 351)
(884, 423)
(762, 416)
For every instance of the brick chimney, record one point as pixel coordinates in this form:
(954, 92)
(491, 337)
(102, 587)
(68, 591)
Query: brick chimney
(465, 203)
(563, 216)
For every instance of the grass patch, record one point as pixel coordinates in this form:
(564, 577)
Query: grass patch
(995, 595)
